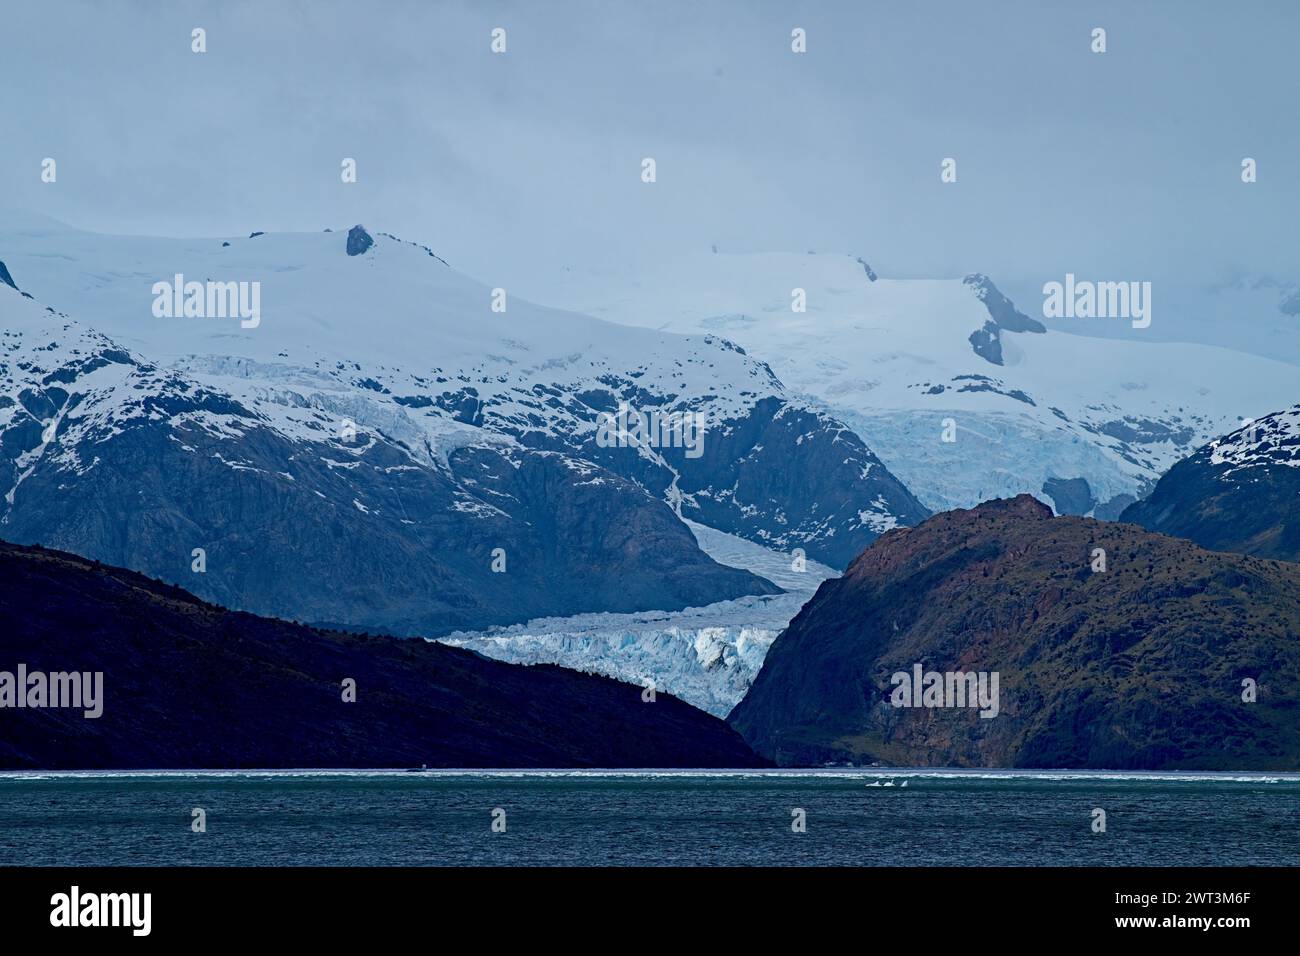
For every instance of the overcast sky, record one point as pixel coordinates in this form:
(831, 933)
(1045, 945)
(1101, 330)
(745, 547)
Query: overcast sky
(1122, 165)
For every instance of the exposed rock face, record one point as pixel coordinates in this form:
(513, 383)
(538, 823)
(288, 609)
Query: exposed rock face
(1071, 496)
(1003, 317)
(1290, 302)
(1137, 666)
(358, 241)
(190, 685)
(1239, 493)
(1112, 509)
(784, 476)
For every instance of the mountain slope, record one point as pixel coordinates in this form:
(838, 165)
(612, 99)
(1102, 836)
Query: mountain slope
(383, 334)
(119, 459)
(1090, 423)
(191, 685)
(1137, 666)
(381, 450)
(1239, 493)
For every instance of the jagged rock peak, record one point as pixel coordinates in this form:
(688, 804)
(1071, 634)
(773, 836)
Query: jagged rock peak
(6, 278)
(358, 240)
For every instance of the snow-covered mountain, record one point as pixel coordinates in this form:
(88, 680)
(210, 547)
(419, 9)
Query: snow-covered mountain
(1240, 492)
(1089, 423)
(1271, 442)
(377, 447)
(110, 455)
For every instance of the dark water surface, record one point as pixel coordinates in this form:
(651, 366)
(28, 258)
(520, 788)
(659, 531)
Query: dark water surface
(650, 818)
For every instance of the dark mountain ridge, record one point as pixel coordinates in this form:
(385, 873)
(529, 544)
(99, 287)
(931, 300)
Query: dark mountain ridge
(1140, 665)
(1238, 493)
(188, 684)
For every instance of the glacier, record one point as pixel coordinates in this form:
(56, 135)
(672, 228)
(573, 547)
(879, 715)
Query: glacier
(707, 656)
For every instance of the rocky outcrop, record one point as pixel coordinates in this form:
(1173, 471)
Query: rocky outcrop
(1003, 317)
(358, 241)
